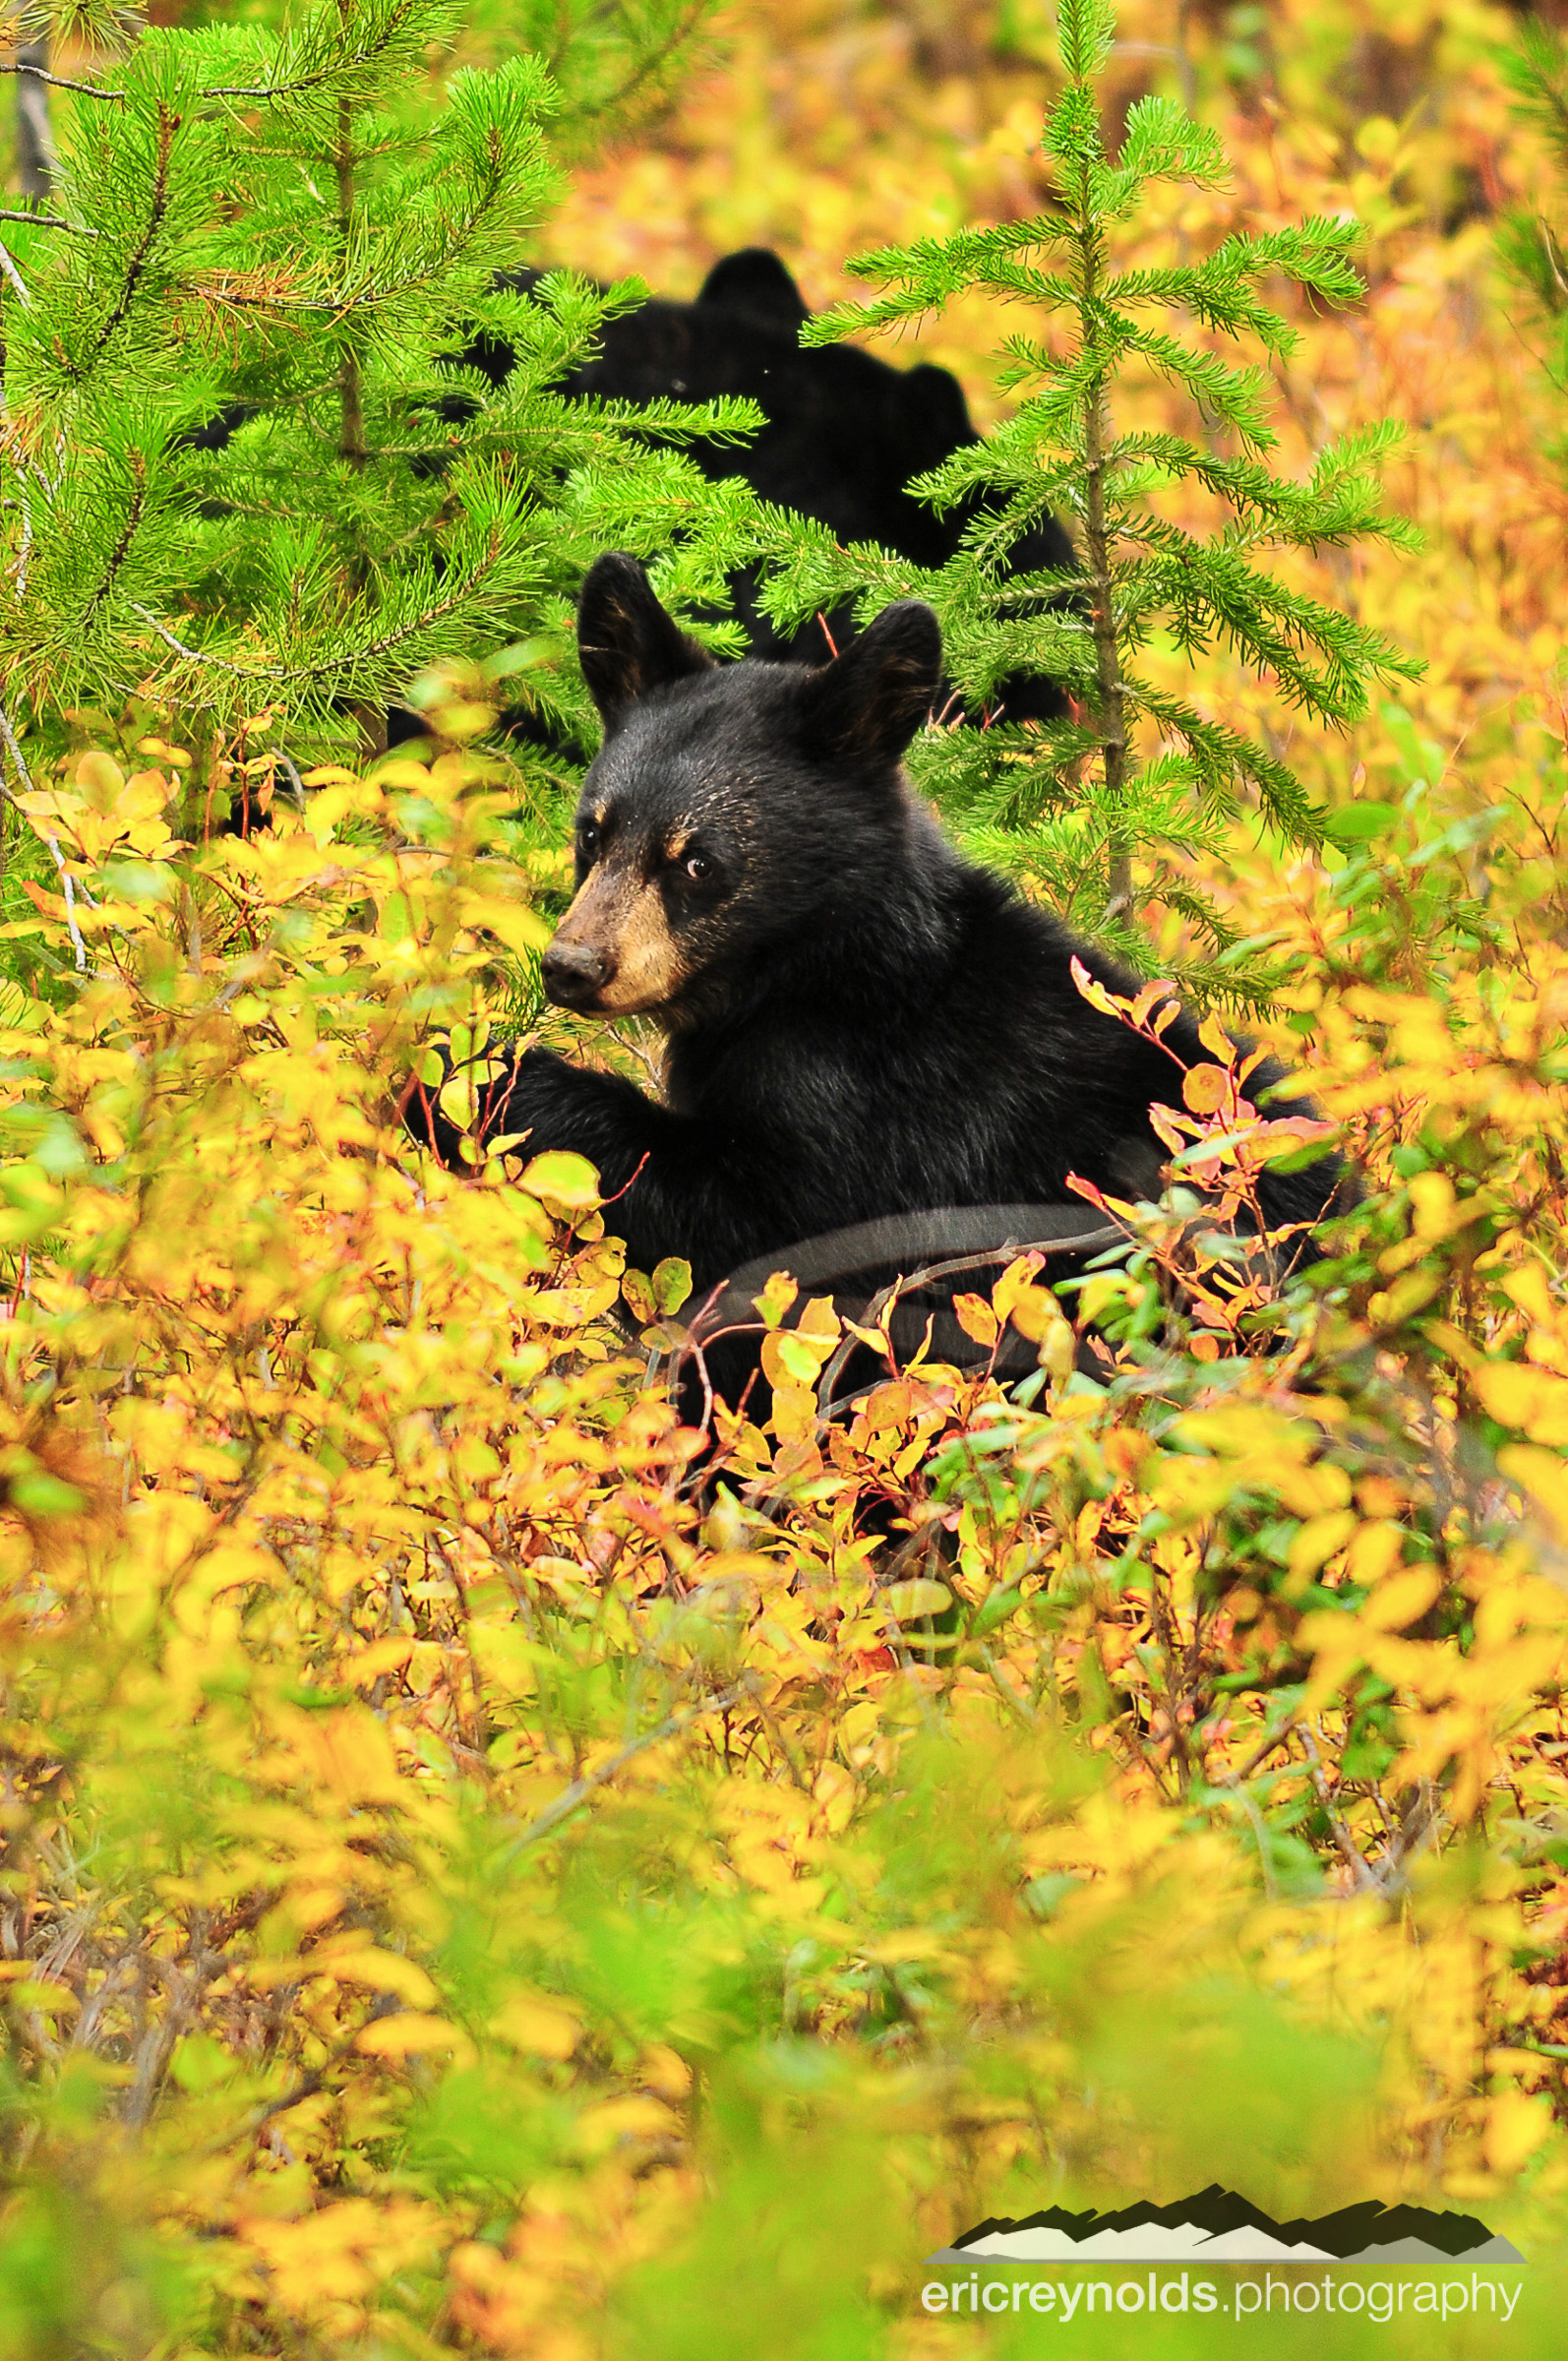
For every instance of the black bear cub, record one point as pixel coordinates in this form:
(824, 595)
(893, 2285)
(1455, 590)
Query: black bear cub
(861, 1022)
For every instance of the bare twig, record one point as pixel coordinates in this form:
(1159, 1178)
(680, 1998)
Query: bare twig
(1365, 1877)
(68, 885)
(46, 221)
(15, 277)
(569, 1797)
(58, 82)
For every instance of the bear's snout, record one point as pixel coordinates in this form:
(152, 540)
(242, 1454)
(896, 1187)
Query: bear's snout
(574, 973)
(614, 953)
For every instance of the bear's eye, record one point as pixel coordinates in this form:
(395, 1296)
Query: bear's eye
(588, 841)
(698, 866)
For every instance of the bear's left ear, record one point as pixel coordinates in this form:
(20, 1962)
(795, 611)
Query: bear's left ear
(627, 644)
(866, 706)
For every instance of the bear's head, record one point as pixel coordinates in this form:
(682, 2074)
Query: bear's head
(732, 808)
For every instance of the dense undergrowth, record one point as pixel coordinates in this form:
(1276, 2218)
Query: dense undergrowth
(465, 1881)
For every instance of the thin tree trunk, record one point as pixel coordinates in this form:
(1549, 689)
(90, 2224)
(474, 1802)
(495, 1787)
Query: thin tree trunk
(351, 429)
(352, 448)
(34, 141)
(1108, 656)
(34, 176)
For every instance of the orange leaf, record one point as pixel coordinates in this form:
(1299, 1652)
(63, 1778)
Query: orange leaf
(1095, 994)
(1206, 1089)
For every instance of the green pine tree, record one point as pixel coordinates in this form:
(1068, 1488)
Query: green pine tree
(296, 228)
(617, 65)
(1530, 241)
(1079, 805)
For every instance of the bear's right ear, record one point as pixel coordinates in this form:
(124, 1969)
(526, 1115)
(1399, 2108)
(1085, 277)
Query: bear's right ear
(865, 707)
(627, 644)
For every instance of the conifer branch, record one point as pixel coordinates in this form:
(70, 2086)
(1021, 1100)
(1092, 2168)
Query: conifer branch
(1112, 719)
(328, 668)
(647, 68)
(285, 233)
(1079, 794)
(353, 59)
(168, 124)
(122, 547)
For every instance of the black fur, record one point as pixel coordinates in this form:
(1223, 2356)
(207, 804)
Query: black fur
(866, 1023)
(845, 432)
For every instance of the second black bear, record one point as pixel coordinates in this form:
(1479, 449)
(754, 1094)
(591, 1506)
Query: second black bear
(861, 1023)
(844, 432)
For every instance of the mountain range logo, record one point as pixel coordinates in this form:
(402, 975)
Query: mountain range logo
(1218, 2226)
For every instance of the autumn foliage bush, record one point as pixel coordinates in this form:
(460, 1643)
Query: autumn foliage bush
(467, 1880)
(473, 1880)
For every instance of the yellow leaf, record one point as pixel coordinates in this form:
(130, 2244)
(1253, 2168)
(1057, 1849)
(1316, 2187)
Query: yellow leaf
(1543, 1475)
(512, 923)
(1529, 1399)
(350, 1754)
(1432, 1202)
(634, 2117)
(789, 1358)
(542, 2028)
(977, 1319)
(48, 1999)
(1317, 1540)
(1375, 1553)
(1530, 1291)
(1402, 1599)
(1515, 2126)
(775, 1298)
(407, 2035)
(636, 1293)
(1016, 1283)
(1093, 991)
(351, 1960)
(100, 778)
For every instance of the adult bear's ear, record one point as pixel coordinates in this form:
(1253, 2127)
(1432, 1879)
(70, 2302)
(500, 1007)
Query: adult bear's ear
(627, 644)
(866, 706)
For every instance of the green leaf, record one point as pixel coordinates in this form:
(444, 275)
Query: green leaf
(37, 1493)
(672, 1283)
(798, 1359)
(1353, 824)
(562, 1180)
(909, 1602)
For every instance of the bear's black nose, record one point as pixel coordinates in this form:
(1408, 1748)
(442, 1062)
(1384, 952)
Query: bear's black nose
(573, 973)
